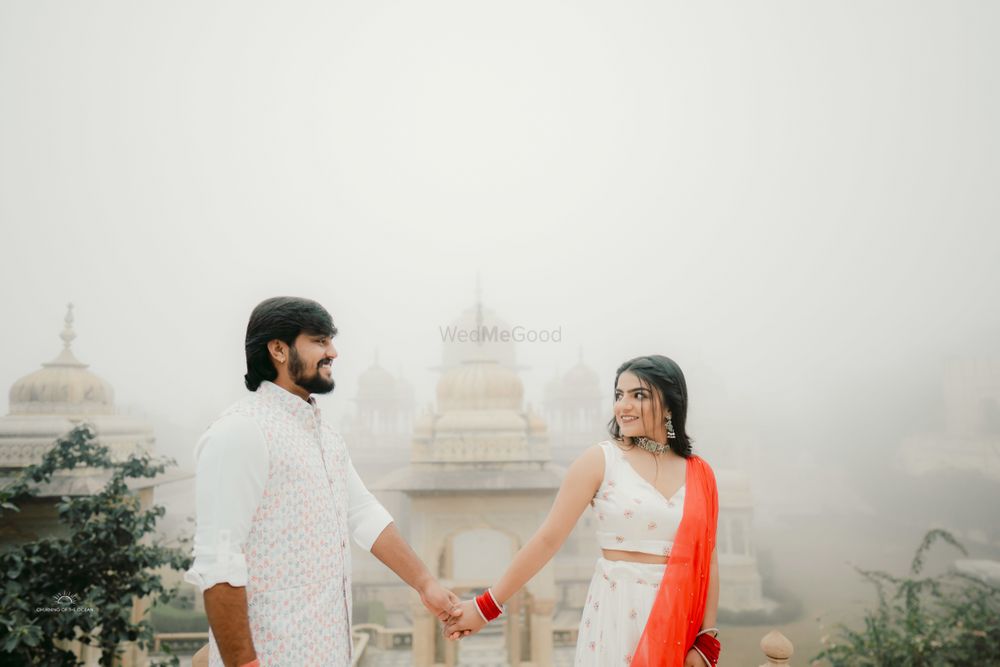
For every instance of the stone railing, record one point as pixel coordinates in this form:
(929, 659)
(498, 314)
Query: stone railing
(360, 644)
(775, 645)
(198, 641)
(179, 641)
(565, 635)
(382, 637)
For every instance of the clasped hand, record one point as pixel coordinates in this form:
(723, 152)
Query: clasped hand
(440, 601)
(465, 621)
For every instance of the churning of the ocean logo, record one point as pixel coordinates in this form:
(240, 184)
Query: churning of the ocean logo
(66, 602)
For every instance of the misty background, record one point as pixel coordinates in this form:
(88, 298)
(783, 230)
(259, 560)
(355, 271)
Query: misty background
(797, 202)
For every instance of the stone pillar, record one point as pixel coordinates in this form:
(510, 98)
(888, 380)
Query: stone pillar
(133, 656)
(424, 641)
(450, 651)
(541, 630)
(512, 627)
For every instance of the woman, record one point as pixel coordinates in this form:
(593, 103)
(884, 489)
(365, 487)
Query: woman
(654, 595)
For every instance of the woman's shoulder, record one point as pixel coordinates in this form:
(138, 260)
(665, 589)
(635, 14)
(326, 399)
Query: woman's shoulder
(591, 463)
(703, 465)
(597, 451)
(614, 445)
(613, 450)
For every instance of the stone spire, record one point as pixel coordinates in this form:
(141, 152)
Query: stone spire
(68, 335)
(479, 310)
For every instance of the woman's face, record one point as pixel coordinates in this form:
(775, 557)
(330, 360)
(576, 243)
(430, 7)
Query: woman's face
(639, 409)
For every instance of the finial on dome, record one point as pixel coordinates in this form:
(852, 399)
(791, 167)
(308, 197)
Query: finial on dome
(66, 356)
(479, 309)
(68, 334)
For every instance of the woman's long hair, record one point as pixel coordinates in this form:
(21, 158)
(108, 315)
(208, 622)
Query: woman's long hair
(666, 377)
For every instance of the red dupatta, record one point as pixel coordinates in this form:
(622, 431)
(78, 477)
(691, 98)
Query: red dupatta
(679, 607)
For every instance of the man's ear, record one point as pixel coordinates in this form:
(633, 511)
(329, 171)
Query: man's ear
(278, 350)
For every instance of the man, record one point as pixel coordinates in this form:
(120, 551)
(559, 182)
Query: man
(278, 499)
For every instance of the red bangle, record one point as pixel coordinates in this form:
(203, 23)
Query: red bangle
(709, 647)
(488, 607)
(253, 663)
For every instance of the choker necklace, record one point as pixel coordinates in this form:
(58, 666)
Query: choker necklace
(651, 446)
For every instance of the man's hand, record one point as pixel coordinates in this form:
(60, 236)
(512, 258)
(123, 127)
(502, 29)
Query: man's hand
(439, 600)
(465, 621)
(392, 549)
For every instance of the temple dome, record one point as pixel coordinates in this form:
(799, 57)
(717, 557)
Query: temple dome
(480, 385)
(480, 422)
(49, 402)
(63, 386)
(581, 379)
(477, 335)
(579, 382)
(376, 383)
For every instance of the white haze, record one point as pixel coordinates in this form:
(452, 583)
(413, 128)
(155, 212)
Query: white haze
(796, 201)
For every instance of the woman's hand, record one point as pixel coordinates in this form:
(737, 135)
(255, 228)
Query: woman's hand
(694, 659)
(465, 622)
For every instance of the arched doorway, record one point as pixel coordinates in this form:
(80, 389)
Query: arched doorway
(472, 560)
(469, 536)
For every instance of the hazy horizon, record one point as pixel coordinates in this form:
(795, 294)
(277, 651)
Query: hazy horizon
(798, 202)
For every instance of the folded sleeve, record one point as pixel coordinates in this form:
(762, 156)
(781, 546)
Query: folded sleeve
(366, 516)
(231, 470)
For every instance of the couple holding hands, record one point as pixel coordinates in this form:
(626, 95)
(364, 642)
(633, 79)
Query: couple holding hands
(278, 500)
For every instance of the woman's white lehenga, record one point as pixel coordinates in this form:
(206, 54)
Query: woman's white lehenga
(632, 515)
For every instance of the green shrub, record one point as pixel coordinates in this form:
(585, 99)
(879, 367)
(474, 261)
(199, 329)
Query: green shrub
(948, 620)
(94, 569)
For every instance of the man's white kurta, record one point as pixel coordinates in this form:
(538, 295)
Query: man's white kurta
(277, 500)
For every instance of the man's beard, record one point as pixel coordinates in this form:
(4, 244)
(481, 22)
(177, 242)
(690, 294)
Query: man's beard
(314, 383)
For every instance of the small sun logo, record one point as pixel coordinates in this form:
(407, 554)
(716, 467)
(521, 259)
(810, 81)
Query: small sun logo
(66, 599)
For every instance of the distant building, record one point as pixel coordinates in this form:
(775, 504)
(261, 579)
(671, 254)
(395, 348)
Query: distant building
(44, 406)
(380, 428)
(969, 439)
(477, 478)
(576, 410)
(480, 481)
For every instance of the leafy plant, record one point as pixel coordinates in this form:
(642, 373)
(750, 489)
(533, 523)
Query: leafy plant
(80, 585)
(947, 620)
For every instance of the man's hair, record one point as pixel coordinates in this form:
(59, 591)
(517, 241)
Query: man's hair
(280, 318)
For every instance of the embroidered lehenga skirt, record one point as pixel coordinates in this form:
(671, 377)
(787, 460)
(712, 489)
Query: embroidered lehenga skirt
(620, 597)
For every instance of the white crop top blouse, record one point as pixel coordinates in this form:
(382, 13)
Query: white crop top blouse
(632, 515)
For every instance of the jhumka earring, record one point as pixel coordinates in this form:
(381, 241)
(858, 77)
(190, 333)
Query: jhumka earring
(670, 429)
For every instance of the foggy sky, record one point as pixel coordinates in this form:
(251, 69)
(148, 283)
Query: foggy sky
(796, 201)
